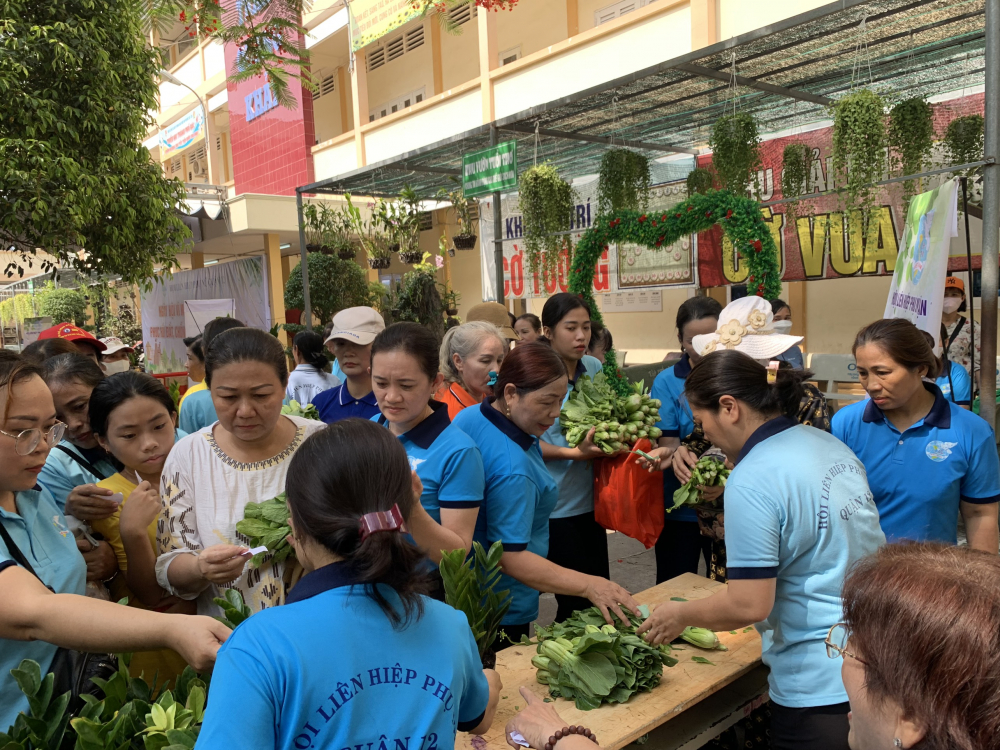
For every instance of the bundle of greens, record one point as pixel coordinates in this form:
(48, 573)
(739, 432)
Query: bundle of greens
(619, 422)
(469, 584)
(294, 409)
(234, 609)
(585, 660)
(708, 472)
(266, 525)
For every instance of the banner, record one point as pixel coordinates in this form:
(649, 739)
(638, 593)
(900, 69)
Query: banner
(197, 312)
(917, 290)
(491, 170)
(373, 19)
(164, 308)
(179, 135)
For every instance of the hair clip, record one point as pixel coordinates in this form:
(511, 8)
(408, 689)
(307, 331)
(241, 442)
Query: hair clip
(493, 379)
(388, 520)
(772, 371)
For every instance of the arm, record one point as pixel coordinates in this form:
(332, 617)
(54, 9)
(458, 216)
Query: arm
(433, 537)
(539, 721)
(33, 613)
(491, 706)
(140, 510)
(980, 490)
(461, 492)
(981, 526)
(585, 451)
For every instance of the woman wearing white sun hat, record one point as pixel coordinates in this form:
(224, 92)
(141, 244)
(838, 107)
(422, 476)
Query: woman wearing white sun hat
(115, 358)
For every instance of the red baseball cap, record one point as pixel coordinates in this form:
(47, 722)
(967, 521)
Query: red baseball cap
(72, 333)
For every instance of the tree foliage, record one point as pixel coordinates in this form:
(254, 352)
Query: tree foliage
(63, 305)
(79, 82)
(334, 285)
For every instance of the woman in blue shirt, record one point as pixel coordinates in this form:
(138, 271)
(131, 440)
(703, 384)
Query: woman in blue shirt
(928, 460)
(405, 378)
(357, 654)
(799, 514)
(520, 491)
(681, 543)
(576, 540)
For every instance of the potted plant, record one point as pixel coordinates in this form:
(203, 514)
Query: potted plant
(547, 206)
(314, 227)
(339, 234)
(699, 181)
(451, 299)
(407, 221)
(623, 182)
(735, 144)
(466, 237)
(795, 170)
(911, 138)
(371, 232)
(859, 151)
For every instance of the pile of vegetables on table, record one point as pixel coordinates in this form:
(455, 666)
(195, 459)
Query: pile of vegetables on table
(619, 422)
(266, 525)
(294, 409)
(708, 472)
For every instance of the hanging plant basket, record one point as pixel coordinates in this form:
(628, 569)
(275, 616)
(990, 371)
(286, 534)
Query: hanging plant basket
(796, 165)
(347, 253)
(699, 181)
(911, 138)
(312, 248)
(859, 151)
(964, 140)
(412, 257)
(451, 252)
(394, 247)
(735, 147)
(547, 206)
(464, 241)
(326, 249)
(623, 182)
(379, 263)
(451, 311)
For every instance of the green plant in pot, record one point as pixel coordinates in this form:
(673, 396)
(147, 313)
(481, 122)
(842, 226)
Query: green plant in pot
(334, 285)
(547, 204)
(623, 182)
(964, 141)
(795, 169)
(313, 227)
(859, 152)
(406, 218)
(911, 138)
(470, 587)
(340, 234)
(699, 181)
(464, 210)
(735, 144)
(417, 298)
(371, 231)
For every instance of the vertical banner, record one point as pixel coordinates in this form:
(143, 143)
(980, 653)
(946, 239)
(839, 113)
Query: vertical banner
(917, 290)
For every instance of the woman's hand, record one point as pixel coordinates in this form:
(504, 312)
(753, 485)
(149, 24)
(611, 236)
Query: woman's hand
(709, 495)
(88, 502)
(142, 509)
(663, 625)
(100, 559)
(536, 723)
(608, 595)
(588, 448)
(196, 638)
(222, 563)
(659, 456)
(684, 459)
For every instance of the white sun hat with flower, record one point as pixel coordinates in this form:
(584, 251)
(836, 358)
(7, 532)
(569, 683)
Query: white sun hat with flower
(746, 325)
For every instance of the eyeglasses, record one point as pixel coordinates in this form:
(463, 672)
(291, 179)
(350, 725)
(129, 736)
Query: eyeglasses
(26, 441)
(836, 643)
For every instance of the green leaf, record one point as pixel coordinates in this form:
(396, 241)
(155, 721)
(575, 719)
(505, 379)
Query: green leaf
(702, 660)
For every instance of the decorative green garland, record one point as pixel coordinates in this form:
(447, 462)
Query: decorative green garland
(739, 217)
(623, 182)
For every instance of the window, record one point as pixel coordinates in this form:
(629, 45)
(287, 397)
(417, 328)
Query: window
(510, 56)
(393, 49)
(325, 85)
(619, 9)
(175, 165)
(406, 100)
(461, 14)
(375, 58)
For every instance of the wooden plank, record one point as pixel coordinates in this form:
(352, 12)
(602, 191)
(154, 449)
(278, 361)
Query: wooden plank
(682, 686)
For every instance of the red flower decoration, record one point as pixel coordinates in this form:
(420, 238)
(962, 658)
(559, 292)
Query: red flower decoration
(663, 218)
(729, 213)
(690, 207)
(751, 279)
(642, 218)
(756, 245)
(654, 222)
(658, 243)
(708, 214)
(677, 215)
(760, 290)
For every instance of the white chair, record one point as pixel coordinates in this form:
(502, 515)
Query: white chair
(829, 370)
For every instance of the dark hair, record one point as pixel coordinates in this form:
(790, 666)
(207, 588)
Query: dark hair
(216, 326)
(945, 669)
(733, 373)
(66, 368)
(901, 340)
(697, 308)
(600, 336)
(194, 344)
(940, 370)
(344, 471)
(532, 319)
(529, 367)
(413, 339)
(310, 346)
(513, 320)
(245, 345)
(778, 304)
(116, 389)
(558, 306)
(44, 349)
(14, 369)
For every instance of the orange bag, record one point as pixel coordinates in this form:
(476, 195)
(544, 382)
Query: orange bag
(628, 498)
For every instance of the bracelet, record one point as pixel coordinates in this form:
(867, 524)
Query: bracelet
(566, 732)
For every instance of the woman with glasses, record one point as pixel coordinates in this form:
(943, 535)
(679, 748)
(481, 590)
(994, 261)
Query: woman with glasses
(934, 683)
(41, 571)
(798, 514)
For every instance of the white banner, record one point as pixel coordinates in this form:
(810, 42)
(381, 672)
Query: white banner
(164, 307)
(197, 312)
(917, 291)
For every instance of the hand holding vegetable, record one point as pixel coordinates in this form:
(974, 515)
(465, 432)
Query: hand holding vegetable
(663, 625)
(707, 472)
(222, 563)
(654, 460)
(595, 412)
(608, 595)
(683, 461)
(588, 448)
(710, 494)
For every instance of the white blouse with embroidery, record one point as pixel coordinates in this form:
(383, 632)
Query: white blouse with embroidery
(204, 492)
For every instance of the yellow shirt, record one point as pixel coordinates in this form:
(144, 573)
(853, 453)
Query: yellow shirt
(202, 386)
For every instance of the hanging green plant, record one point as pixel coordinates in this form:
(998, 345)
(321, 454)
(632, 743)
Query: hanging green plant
(859, 150)
(699, 181)
(964, 141)
(735, 147)
(796, 164)
(911, 138)
(623, 182)
(547, 205)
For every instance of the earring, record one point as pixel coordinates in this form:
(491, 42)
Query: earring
(508, 412)
(897, 742)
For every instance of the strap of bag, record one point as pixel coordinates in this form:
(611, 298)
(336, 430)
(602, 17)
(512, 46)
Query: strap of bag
(83, 462)
(15, 552)
(954, 335)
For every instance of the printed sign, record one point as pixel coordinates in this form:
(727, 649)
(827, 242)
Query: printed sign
(179, 135)
(645, 300)
(373, 19)
(491, 170)
(259, 101)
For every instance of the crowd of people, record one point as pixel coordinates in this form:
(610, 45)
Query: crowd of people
(833, 532)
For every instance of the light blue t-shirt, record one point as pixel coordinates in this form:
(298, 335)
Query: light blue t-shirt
(575, 479)
(40, 532)
(62, 473)
(957, 389)
(446, 460)
(329, 670)
(520, 496)
(336, 372)
(197, 411)
(676, 421)
(920, 476)
(798, 509)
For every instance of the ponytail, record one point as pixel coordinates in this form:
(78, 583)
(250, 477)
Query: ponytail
(310, 346)
(732, 373)
(341, 473)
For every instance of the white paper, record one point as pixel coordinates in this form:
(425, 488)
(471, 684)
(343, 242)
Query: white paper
(258, 551)
(516, 736)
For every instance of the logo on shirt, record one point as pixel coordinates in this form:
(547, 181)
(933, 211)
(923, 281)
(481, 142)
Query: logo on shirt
(60, 526)
(938, 451)
(415, 462)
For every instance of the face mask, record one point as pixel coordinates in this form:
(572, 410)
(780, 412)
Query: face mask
(121, 365)
(783, 326)
(951, 304)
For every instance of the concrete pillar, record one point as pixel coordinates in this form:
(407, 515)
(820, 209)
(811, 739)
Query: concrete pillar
(704, 23)
(359, 94)
(275, 282)
(572, 18)
(488, 52)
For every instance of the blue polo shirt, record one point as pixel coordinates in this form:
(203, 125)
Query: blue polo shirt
(575, 479)
(39, 530)
(920, 476)
(676, 421)
(62, 473)
(957, 389)
(329, 670)
(197, 411)
(520, 496)
(798, 509)
(337, 403)
(446, 460)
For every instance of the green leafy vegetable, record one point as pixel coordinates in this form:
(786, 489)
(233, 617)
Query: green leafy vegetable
(703, 638)
(266, 525)
(702, 660)
(234, 610)
(469, 586)
(708, 472)
(295, 409)
(618, 421)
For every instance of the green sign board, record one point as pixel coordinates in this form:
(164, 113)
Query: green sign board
(490, 170)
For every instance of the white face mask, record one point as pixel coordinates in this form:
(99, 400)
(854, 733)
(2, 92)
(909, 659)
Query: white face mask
(783, 326)
(121, 365)
(951, 304)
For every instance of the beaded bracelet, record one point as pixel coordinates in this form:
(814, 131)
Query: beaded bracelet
(566, 732)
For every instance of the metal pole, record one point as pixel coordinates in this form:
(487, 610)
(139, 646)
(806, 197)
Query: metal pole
(303, 264)
(968, 257)
(497, 229)
(991, 217)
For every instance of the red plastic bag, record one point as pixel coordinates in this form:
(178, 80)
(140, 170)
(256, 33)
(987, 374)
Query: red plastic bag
(628, 498)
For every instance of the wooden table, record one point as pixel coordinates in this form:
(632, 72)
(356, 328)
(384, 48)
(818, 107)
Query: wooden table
(682, 686)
